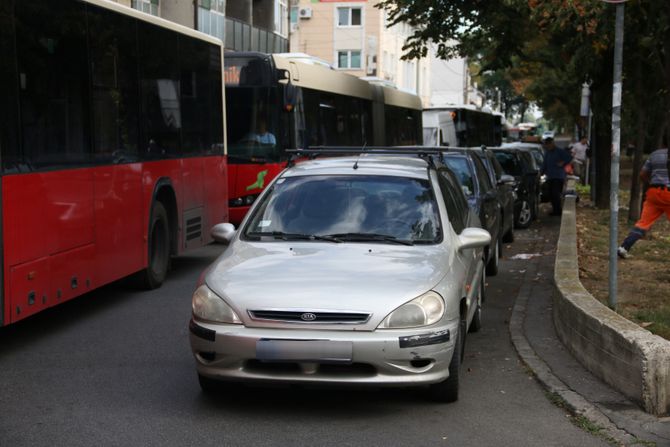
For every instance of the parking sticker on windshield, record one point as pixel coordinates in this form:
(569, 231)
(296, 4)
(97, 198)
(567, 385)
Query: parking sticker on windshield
(264, 223)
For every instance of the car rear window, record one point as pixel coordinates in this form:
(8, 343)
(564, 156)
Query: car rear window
(322, 205)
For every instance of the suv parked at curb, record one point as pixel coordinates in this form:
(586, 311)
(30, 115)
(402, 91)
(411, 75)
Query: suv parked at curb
(362, 270)
(520, 164)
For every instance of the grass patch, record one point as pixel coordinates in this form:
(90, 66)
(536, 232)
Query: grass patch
(659, 319)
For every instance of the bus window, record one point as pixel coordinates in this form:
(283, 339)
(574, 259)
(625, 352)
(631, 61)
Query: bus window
(114, 86)
(53, 79)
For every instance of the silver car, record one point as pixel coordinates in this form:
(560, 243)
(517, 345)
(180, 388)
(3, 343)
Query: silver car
(351, 270)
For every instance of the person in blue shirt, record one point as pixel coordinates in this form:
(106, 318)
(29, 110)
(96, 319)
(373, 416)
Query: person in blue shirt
(553, 167)
(261, 134)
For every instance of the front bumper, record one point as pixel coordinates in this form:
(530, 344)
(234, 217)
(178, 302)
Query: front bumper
(235, 352)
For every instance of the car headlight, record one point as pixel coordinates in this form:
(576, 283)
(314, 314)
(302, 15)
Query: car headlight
(208, 306)
(422, 311)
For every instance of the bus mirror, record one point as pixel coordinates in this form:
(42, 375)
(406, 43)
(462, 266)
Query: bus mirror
(283, 75)
(290, 94)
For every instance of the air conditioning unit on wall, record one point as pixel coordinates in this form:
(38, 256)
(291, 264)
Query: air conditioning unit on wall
(305, 13)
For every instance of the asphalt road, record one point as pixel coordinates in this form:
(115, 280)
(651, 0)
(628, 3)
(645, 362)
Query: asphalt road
(114, 368)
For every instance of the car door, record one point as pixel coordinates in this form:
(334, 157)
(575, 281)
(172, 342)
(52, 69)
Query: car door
(490, 206)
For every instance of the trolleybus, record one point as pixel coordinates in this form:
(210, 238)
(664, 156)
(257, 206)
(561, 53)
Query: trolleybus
(112, 148)
(282, 101)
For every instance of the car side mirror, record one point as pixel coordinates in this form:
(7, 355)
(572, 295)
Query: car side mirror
(506, 179)
(473, 238)
(223, 233)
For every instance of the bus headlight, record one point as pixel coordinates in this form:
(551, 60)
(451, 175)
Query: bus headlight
(208, 306)
(422, 311)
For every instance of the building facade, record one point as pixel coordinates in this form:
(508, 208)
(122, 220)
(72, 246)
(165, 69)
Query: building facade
(353, 36)
(242, 25)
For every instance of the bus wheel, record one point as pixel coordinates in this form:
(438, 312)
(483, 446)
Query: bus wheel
(159, 248)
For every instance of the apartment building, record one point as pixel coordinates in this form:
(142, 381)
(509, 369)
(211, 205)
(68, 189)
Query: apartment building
(353, 36)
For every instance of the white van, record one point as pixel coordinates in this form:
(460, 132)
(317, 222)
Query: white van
(438, 128)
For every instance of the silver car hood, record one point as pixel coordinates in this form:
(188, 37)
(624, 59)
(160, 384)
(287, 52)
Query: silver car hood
(357, 277)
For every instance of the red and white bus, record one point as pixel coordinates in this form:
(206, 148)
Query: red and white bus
(112, 148)
(288, 101)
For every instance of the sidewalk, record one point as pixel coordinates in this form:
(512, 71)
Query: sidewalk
(534, 337)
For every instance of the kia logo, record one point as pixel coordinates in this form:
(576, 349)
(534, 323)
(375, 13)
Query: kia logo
(308, 316)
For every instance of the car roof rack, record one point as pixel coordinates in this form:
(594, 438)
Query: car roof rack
(425, 152)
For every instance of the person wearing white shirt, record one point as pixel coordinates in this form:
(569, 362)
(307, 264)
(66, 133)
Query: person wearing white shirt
(579, 158)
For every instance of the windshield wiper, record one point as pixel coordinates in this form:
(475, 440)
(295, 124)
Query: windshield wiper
(294, 236)
(370, 237)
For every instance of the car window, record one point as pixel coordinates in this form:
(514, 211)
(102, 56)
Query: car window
(509, 163)
(462, 169)
(403, 208)
(495, 164)
(482, 175)
(453, 200)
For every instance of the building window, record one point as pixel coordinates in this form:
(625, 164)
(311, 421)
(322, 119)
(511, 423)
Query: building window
(148, 6)
(212, 17)
(281, 17)
(349, 59)
(349, 16)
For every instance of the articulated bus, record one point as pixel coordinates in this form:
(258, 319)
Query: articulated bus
(475, 127)
(112, 148)
(285, 101)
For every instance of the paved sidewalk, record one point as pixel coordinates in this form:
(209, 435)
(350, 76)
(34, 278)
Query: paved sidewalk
(534, 337)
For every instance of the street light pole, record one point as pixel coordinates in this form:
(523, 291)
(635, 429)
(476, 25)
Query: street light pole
(616, 152)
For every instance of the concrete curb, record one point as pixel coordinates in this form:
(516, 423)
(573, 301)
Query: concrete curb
(629, 358)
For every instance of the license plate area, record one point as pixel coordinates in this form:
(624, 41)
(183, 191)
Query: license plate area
(320, 351)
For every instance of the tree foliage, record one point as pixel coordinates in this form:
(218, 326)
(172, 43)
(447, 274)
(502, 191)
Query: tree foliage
(546, 49)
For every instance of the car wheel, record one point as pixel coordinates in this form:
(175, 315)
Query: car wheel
(476, 324)
(525, 216)
(154, 274)
(447, 390)
(492, 265)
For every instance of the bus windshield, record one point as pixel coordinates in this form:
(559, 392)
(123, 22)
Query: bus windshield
(252, 125)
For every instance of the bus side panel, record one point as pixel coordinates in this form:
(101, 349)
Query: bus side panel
(216, 194)
(45, 215)
(120, 222)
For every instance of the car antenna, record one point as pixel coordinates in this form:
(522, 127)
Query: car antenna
(359, 155)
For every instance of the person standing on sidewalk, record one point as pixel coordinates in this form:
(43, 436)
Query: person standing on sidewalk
(657, 200)
(553, 167)
(579, 158)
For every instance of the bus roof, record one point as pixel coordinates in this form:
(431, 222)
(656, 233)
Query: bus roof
(128, 11)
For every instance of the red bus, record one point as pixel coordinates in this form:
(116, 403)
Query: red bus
(287, 101)
(111, 144)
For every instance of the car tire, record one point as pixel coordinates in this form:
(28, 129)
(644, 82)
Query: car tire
(476, 324)
(209, 386)
(525, 215)
(155, 273)
(492, 265)
(447, 390)
(509, 236)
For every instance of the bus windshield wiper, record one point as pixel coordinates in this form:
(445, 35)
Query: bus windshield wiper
(293, 236)
(370, 237)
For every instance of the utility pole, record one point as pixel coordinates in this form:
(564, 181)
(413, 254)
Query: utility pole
(616, 151)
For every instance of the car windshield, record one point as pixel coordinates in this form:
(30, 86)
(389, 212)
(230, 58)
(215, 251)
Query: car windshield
(344, 208)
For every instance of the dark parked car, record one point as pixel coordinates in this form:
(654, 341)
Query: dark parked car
(504, 184)
(537, 151)
(482, 197)
(520, 164)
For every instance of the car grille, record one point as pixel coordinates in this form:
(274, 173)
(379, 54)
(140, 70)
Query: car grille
(310, 317)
